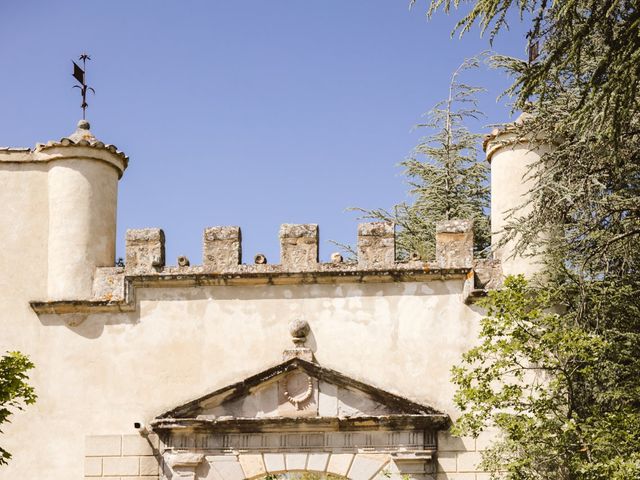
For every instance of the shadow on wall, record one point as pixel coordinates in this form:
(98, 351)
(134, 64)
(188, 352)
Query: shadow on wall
(297, 292)
(89, 325)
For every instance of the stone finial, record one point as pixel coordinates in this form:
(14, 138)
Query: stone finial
(299, 329)
(144, 249)
(222, 247)
(260, 259)
(376, 245)
(336, 257)
(299, 246)
(183, 261)
(83, 133)
(454, 244)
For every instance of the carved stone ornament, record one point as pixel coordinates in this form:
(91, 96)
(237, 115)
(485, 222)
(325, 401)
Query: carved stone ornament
(297, 399)
(298, 329)
(307, 414)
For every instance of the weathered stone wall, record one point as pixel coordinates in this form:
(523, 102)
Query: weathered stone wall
(458, 458)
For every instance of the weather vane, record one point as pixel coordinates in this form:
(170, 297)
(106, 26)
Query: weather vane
(79, 74)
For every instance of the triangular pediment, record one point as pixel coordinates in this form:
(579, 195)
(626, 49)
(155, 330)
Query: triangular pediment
(298, 391)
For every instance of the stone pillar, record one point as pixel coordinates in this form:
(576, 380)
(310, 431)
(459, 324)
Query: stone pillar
(376, 245)
(299, 246)
(222, 248)
(144, 250)
(454, 244)
(511, 157)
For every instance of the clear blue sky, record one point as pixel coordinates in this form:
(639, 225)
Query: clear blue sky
(250, 113)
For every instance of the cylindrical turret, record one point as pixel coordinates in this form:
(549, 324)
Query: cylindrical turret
(83, 187)
(511, 158)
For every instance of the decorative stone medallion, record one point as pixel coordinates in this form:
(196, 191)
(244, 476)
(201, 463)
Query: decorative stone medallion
(297, 388)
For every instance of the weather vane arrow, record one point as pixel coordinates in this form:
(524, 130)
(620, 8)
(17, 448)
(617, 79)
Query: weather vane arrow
(79, 74)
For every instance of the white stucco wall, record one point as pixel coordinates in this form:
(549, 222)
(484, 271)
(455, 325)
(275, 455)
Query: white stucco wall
(512, 180)
(82, 215)
(98, 373)
(113, 369)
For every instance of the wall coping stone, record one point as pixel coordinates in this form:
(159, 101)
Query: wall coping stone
(122, 297)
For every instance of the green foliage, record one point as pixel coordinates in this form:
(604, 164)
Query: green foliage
(608, 81)
(559, 364)
(446, 178)
(548, 384)
(389, 474)
(14, 389)
(584, 93)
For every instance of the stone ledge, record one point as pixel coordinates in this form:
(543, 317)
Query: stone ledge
(122, 298)
(286, 424)
(46, 153)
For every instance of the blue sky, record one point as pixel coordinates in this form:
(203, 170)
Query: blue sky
(251, 113)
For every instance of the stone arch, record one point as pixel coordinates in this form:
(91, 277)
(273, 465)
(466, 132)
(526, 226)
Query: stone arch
(302, 475)
(263, 466)
(338, 465)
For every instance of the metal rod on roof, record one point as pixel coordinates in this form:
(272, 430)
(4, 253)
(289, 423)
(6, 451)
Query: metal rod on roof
(79, 74)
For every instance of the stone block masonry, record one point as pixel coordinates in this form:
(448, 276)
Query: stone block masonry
(222, 247)
(454, 244)
(376, 245)
(299, 246)
(234, 466)
(136, 457)
(459, 457)
(145, 249)
(122, 457)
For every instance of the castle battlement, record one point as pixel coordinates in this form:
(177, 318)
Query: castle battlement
(299, 247)
(114, 287)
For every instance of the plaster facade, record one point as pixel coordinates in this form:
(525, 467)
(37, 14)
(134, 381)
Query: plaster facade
(514, 159)
(128, 357)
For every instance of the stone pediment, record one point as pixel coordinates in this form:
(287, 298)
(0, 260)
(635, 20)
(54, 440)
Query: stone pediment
(295, 393)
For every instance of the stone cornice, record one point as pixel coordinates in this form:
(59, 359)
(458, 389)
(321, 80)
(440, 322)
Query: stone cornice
(55, 152)
(114, 288)
(81, 144)
(319, 424)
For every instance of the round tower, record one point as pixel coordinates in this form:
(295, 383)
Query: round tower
(511, 157)
(83, 179)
